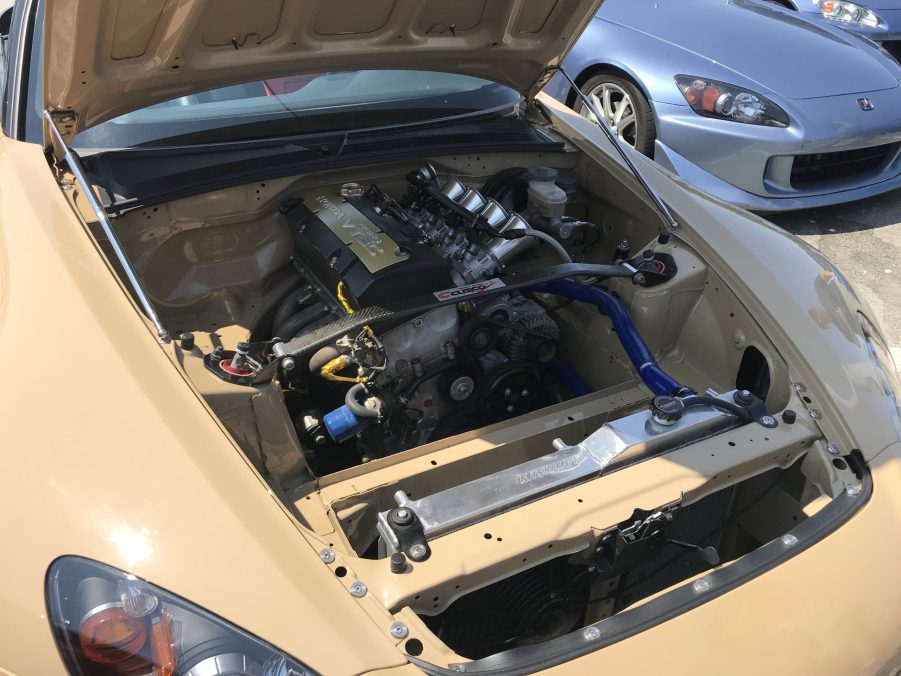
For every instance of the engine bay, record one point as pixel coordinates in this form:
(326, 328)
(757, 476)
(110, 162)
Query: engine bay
(493, 392)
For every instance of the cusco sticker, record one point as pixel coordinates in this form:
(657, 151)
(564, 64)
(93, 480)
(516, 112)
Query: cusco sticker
(461, 292)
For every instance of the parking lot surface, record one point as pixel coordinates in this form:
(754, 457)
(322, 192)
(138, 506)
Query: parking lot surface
(863, 239)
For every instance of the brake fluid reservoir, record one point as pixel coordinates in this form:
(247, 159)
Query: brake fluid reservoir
(545, 196)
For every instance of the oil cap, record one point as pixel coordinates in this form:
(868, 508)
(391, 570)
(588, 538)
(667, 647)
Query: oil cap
(667, 410)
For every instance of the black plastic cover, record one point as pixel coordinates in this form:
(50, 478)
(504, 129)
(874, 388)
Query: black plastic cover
(417, 270)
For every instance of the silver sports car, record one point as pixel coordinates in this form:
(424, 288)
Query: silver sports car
(749, 101)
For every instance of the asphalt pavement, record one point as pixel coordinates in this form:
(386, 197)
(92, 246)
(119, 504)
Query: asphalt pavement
(863, 239)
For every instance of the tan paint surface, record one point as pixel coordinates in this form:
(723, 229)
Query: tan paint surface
(108, 57)
(109, 453)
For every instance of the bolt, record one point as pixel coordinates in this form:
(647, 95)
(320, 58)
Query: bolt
(639, 279)
(401, 516)
(701, 585)
(800, 388)
(591, 633)
(853, 490)
(768, 421)
(511, 408)
(524, 393)
(508, 392)
(417, 323)
(457, 667)
(833, 449)
(288, 364)
(358, 590)
(399, 630)
(789, 540)
(398, 563)
(815, 414)
(418, 552)
(327, 555)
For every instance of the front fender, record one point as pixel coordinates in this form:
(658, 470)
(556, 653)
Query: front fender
(800, 299)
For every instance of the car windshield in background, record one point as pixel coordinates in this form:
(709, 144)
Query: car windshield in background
(302, 104)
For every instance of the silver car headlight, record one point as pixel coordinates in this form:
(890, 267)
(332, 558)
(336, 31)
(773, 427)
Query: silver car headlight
(109, 623)
(848, 12)
(728, 102)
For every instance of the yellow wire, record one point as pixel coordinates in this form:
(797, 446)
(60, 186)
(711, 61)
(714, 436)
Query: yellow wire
(331, 369)
(342, 298)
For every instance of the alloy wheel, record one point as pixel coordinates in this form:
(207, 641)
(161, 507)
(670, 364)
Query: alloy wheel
(616, 106)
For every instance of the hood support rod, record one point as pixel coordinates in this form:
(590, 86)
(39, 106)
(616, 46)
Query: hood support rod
(77, 170)
(670, 222)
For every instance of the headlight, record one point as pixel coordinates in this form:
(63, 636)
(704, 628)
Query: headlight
(109, 623)
(727, 102)
(849, 12)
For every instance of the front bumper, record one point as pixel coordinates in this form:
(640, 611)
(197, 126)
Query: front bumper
(831, 604)
(756, 167)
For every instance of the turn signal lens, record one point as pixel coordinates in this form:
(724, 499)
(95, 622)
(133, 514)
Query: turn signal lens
(110, 635)
(710, 98)
(109, 623)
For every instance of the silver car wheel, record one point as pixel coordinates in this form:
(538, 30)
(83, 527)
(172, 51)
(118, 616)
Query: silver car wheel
(618, 109)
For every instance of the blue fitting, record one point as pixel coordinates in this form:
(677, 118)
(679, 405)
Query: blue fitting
(342, 424)
(650, 372)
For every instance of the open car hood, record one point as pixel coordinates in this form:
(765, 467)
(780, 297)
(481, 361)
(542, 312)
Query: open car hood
(104, 58)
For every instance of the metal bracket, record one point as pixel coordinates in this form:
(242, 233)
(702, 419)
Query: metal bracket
(64, 153)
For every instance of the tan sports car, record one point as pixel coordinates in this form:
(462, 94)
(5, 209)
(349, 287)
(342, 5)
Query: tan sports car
(381, 362)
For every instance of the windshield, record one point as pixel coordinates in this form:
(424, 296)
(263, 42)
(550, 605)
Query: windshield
(289, 106)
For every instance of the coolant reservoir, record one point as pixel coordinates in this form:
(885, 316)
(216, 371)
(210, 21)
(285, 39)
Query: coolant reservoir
(545, 196)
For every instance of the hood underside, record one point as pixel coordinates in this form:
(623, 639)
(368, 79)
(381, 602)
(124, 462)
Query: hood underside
(104, 58)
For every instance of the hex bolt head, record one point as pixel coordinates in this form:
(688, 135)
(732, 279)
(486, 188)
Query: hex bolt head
(800, 388)
(743, 398)
(701, 585)
(327, 555)
(853, 490)
(768, 421)
(789, 540)
(398, 563)
(399, 630)
(358, 590)
(833, 448)
(591, 633)
(815, 414)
